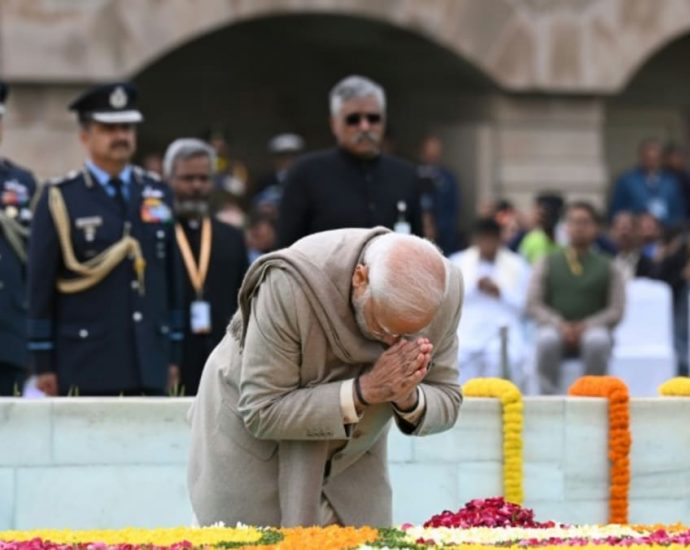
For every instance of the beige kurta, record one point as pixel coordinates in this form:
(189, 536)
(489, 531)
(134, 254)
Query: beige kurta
(268, 437)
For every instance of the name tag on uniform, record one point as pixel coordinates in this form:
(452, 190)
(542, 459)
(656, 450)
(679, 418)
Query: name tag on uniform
(152, 193)
(200, 317)
(89, 226)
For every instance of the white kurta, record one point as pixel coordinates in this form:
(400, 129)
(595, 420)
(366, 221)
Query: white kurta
(484, 315)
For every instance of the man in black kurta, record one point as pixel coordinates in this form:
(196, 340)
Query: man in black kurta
(353, 185)
(214, 257)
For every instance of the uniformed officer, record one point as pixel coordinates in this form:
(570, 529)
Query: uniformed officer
(17, 187)
(213, 254)
(104, 285)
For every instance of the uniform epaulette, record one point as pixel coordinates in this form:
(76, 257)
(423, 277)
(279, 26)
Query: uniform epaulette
(13, 165)
(71, 175)
(139, 171)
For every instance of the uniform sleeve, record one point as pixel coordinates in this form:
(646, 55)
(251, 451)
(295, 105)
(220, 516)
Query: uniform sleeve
(44, 263)
(293, 219)
(272, 402)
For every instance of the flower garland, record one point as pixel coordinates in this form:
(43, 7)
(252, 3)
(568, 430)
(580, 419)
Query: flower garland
(409, 537)
(620, 440)
(511, 399)
(676, 387)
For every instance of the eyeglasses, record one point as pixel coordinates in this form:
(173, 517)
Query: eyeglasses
(192, 177)
(355, 119)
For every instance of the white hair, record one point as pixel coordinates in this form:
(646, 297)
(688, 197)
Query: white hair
(185, 148)
(355, 87)
(407, 274)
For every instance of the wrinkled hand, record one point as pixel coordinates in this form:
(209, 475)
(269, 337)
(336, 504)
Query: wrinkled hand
(397, 373)
(572, 333)
(47, 383)
(487, 286)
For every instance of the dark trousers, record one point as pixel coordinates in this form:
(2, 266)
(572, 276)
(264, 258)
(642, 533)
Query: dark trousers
(12, 379)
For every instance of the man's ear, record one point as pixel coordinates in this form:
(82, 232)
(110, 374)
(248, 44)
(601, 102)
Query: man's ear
(84, 134)
(360, 277)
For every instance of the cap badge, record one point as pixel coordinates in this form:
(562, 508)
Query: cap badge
(118, 99)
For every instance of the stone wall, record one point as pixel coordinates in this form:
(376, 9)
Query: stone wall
(590, 46)
(96, 463)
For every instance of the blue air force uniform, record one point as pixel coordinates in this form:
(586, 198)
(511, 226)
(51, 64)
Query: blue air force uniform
(120, 334)
(17, 188)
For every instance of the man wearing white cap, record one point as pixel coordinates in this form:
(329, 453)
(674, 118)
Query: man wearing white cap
(284, 150)
(104, 281)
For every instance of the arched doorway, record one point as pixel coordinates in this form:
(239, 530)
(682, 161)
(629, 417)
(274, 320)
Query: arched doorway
(655, 103)
(269, 75)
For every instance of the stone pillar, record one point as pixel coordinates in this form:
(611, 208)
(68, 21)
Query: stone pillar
(38, 131)
(548, 144)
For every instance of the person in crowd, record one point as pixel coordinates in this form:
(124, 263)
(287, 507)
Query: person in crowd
(153, 162)
(104, 281)
(649, 188)
(676, 164)
(213, 255)
(671, 266)
(496, 282)
(444, 196)
(228, 209)
(284, 150)
(230, 174)
(651, 231)
(541, 239)
(260, 234)
(577, 296)
(625, 236)
(17, 189)
(336, 336)
(354, 184)
(511, 221)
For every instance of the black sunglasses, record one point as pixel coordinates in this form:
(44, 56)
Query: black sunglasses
(191, 177)
(355, 119)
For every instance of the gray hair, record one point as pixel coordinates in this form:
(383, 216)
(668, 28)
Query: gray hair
(355, 87)
(186, 148)
(406, 274)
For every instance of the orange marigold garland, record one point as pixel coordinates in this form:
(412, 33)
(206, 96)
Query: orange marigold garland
(676, 387)
(620, 441)
(511, 399)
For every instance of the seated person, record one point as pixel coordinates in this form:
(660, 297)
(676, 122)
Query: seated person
(496, 281)
(625, 236)
(577, 297)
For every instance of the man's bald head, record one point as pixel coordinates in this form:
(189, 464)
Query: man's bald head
(404, 280)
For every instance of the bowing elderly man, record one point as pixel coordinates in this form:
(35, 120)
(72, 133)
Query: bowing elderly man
(335, 337)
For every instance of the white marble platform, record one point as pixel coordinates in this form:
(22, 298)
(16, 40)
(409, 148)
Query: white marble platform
(96, 463)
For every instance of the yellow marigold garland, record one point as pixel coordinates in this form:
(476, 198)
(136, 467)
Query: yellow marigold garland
(201, 536)
(676, 387)
(615, 390)
(511, 400)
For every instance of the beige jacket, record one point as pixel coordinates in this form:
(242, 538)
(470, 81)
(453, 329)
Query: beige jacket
(268, 437)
